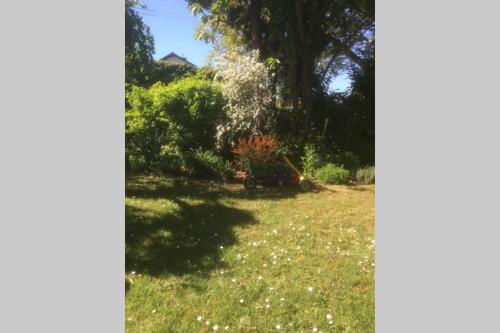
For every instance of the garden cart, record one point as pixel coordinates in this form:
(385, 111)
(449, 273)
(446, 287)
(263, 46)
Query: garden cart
(281, 171)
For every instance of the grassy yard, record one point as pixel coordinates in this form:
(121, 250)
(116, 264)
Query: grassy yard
(205, 257)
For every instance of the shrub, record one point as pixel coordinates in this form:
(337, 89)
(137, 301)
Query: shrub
(205, 164)
(260, 149)
(347, 159)
(311, 160)
(172, 160)
(181, 115)
(366, 175)
(332, 174)
(247, 87)
(165, 72)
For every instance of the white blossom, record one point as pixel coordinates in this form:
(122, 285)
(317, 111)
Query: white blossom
(247, 89)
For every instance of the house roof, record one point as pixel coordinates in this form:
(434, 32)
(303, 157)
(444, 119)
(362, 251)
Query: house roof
(176, 59)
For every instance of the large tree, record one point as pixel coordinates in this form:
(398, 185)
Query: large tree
(139, 46)
(308, 37)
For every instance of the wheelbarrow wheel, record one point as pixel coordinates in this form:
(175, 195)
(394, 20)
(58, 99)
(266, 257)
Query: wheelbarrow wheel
(250, 183)
(305, 185)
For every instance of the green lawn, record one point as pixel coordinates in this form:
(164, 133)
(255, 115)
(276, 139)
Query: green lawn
(205, 257)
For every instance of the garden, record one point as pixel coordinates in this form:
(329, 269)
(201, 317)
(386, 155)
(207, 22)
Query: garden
(206, 252)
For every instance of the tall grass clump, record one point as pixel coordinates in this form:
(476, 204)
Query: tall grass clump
(333, 174)
(366, 175)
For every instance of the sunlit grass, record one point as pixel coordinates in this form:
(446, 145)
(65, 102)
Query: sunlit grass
(209, 257)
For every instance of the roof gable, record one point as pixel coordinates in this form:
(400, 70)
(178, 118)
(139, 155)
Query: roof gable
(173, 58)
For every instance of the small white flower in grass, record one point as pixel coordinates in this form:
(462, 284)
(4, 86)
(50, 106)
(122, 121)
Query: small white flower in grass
(154, 311)
(282, 299)
(242, 301)
(271, 288)
(177, 247)
(226, 328)
(199, 318)
(207, 323)
(315, 329)
(267, 300)
(267, 306)
(221, 247)
(278, 327)
(259, 277)
(329, 317)
(215, 327)
(133, 273)
(330, 322)
(233, 280)
(265, 265)
(310, 289)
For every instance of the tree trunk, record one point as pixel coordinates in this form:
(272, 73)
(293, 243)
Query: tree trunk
(255, 24)
(307, 93)
(307, 39)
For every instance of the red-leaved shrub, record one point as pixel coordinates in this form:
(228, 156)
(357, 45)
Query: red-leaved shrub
(260, 149)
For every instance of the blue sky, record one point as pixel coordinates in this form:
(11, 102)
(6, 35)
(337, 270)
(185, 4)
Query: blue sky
(172, 27)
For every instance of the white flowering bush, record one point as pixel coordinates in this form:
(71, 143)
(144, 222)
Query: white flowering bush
(247, 89)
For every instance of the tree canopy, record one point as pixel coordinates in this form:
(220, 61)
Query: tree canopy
(308, 38)
(139, 46)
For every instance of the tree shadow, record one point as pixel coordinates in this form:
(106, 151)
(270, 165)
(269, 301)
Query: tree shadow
(157, 187)
(361, 188)
(186, 239)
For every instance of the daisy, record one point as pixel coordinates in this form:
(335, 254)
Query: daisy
(278, 327)
(215, 327)
(310, 289)
(199, 318)
(329, 317)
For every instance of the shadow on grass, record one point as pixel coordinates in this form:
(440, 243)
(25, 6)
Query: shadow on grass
(362, 188)
(158, 187)
(186, 239)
